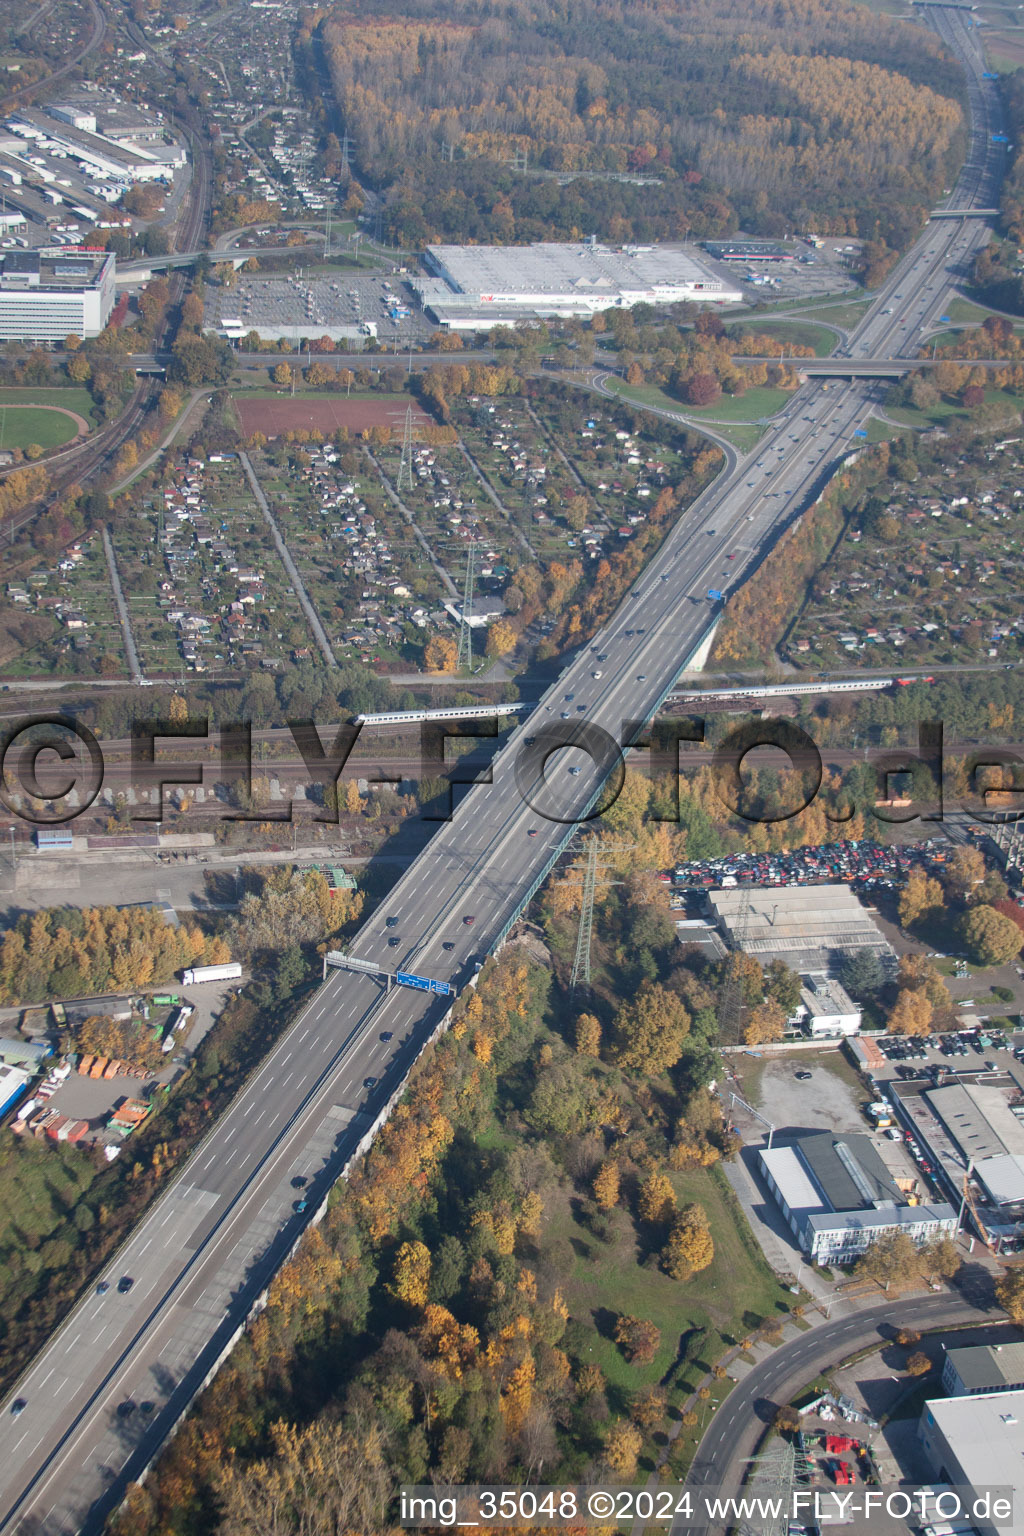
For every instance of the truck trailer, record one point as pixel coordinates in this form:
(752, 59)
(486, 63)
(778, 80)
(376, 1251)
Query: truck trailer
(200, 973)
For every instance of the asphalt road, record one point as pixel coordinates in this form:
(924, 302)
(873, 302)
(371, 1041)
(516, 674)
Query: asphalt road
(735, 1431)
(211, 1241)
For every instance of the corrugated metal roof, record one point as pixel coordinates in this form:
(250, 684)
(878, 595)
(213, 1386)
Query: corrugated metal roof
(847, 1169)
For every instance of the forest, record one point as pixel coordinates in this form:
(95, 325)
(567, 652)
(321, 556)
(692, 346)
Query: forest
(679, 122)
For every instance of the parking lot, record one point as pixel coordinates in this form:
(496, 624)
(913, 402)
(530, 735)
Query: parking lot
(865, 865)
(320, 301)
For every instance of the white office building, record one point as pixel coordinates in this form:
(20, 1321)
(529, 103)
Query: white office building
(47, 295)
(838, 1197)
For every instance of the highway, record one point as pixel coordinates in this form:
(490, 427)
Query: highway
(210, 1242)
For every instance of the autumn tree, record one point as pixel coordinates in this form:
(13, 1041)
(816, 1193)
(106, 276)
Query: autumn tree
(606, 1185)
(917, 973)
(764, 1023)
(892, 1259)
(649, 1031)
(657, 1199)
(638, 1338)
(991, 938)
(918, 1364)
(588, 1035)
(411, 1280)
(911, 1014)
(1010, 1295)
(690, 1247)
(622, 1450)
(964, 869)
(440, 654)
(919, 896)
(282, 375)
(501, 638)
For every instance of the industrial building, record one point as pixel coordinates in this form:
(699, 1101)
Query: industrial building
(472, 287)
(837, 1197)
(124, 158)
(977, 1442)
(980, 1368)
(807, 926)
(13, 1082)
(24, 1053)
(826, 1009)
(47, 295)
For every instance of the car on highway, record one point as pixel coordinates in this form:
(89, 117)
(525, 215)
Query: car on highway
(369, 1082)
(574, 770)
(531, 831)
(18, 1407)
(641, 677)
(300, 1206)
(597, 674)
(565, 714)
(125, 1409)
(299, 1181)
(387, 1035)
(394, 942)
(124, 1285)
(103, 1287)
(391, 922)
(469, 921)
(447, 945)
(147, 1408)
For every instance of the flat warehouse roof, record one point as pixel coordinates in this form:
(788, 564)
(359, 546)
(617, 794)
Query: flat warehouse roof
(986, 1435)
(792, 1180)
(552, 268)
(979, 1119)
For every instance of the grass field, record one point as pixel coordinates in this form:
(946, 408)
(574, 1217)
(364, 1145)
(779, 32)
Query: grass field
(803, 333)
(946, 411)
(742, 435)
(73, 398)
(24, 425)
(728, 1300)
(847, 312)
(963, 309)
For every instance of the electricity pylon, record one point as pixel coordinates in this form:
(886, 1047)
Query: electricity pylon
(405, 467)
(608, 852)
(465, 656)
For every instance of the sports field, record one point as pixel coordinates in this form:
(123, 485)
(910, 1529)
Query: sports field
(49, 426)
(275, 414)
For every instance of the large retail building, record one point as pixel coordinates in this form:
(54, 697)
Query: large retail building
(473, 287)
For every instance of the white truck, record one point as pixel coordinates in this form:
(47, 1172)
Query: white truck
(368, 328)
(199, 973)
